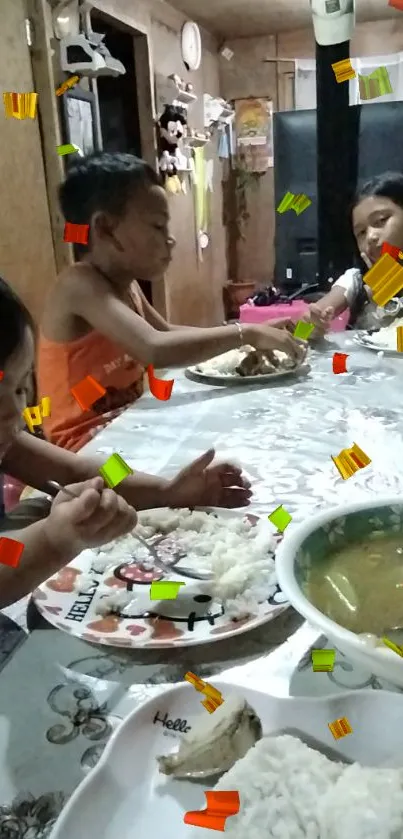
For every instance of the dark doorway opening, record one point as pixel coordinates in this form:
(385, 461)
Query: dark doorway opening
(118, 101)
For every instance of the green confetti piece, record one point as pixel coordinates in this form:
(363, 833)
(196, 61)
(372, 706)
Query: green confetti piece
(323, 660)
(165, 590)
(303, 330)
(286, 203)
(280, 518)
(115, 470)
(68, 148)
(301, 203)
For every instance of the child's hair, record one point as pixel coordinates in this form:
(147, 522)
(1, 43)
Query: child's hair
(388, 185)
(102, 181)
(14, 318)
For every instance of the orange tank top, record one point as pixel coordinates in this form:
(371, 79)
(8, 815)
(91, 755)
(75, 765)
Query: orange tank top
(63, 365)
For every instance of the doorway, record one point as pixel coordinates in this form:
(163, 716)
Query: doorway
(118, 97)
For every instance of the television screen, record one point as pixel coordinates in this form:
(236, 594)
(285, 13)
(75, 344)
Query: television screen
(380, 125)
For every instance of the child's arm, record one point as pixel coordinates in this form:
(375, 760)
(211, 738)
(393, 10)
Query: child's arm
(342, 294)
(95, 517)
(35, 461)
(94, 301)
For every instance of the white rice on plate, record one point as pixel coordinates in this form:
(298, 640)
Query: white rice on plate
(289, 791)
(239, 554)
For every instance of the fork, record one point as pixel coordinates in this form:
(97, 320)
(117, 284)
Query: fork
(182, 571)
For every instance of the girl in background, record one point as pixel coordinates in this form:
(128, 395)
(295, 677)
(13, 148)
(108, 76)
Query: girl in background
(376, 217)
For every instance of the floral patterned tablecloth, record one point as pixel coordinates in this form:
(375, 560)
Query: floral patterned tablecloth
(60, 698)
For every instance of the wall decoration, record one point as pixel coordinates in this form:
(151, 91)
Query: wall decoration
(172, 128)
(191, 45)
(254, 134)
(79, 119)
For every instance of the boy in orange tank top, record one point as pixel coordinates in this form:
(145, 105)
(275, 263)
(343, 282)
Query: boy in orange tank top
(97, 322)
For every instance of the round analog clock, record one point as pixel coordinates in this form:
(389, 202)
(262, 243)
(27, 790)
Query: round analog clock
(191, 45)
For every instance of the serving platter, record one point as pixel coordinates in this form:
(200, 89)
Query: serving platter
(125, 796)
(364, 339)
(195, 617)
(235, 381)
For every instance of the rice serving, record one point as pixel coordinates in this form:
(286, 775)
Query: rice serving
(238, 553)
(289, 791)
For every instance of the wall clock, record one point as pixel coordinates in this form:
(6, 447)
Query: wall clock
(191, 45)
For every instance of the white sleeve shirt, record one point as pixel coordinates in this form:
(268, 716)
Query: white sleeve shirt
(351, 282)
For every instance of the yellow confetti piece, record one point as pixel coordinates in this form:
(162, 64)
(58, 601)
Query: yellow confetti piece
(385, 279)
(20, 105)
(350, 460)
(340, 728)
(399, 337)
(343, 70)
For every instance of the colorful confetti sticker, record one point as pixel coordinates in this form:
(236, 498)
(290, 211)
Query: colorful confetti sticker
(10, 551)
(67, 85)
(392, 646)
(303, 330)
(76, 233)
(213, 696)
(36, 413)
(385, 279)
(159, 388)
(67, 148)
(343, 70)
(375, 84)
(165, 590)
(20, 105)
(340, 728)
(115, 470)
(399, 338)
(220, 805)
(350, 460)
(323, 661)
(298, 203)
(87, 392)
(339, 362)
(280, 518)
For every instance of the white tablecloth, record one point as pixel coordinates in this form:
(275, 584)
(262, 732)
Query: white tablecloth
(60, 698)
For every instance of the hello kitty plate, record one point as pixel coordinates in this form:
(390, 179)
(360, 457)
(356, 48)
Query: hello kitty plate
(74, 600)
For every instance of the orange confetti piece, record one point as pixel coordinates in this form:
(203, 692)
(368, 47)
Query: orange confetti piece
(159, 388)
(340, 728)
(220, 805)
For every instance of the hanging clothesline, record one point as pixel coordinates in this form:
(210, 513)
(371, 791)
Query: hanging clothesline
(305, 79)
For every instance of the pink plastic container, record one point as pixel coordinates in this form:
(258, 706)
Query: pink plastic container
(294, 310)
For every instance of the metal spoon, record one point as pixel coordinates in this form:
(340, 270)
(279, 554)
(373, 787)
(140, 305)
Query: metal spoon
(182, 571)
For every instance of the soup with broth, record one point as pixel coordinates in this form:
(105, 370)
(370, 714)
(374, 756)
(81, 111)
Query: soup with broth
(360, 586)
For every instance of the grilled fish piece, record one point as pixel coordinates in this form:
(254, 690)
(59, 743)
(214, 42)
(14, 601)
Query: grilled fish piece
(215, 743)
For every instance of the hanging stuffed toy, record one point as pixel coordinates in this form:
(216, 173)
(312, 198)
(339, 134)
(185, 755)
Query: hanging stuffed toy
(172, 127)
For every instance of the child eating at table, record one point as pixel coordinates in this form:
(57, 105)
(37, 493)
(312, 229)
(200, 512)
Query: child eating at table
(97, 321)
(53, 533)
(376, 217)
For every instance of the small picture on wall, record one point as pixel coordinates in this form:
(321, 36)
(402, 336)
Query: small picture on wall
(254, 133)
(79, 119)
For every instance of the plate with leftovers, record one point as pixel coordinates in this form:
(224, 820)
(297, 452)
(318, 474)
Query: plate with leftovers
(246, 366)
(294, 780)
(103, 595)
(380, 340)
